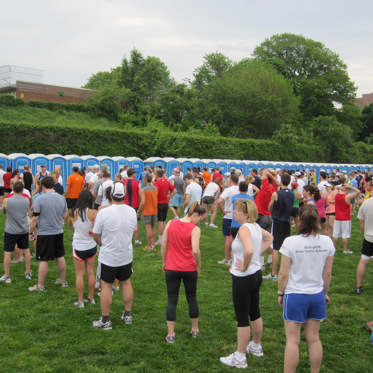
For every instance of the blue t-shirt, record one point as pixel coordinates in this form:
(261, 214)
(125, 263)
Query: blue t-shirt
(354, 184)
(235, 198)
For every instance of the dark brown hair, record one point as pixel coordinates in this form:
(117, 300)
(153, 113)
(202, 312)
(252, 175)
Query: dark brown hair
(309, 220)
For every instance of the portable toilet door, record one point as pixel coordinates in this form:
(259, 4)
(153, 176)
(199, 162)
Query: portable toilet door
(171, 163)
(185, 165)
(197, 163)
(72, 160)
(151, 161)
(223, 166)
(38, 160)
(119, 163)
(210, 165)
(232, 164)
(137, 164)
(19, 161)
(4, 161)
(57, 160)
(89, 161)
(242, 165)
(109, 163)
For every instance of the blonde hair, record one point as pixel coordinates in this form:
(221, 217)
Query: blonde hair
(196, 207)
(249, 179)
(247, 207)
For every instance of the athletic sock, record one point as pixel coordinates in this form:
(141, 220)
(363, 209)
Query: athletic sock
(255, 345)
(105, 319)
(127, 313)
(160, 238)
(270, 258)
(240, 356)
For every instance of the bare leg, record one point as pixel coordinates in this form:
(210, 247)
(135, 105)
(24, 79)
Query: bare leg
(149, 233)
(361, 268)
(89, 267)
(7, 262)
(227, 247)
(345, 244)
(257, 328)
(137, 232)
(243, 336)
(292, 331)
(194, 324)
(127, 294)
(42, 273)
(335, 242)
(106, 298)
(311, 328)
(79, 278)
(27, 255)
(171, 327)
(274, 262)
(61, 266)
(214, 212)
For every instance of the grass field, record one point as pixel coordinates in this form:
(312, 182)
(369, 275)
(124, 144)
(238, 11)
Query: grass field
(44, 332)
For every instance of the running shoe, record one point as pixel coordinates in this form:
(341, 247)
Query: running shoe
(194, 333)
(35, 288)
(232, 361)
(5, 279)
(127, 319)
(137, 242)
(157, 243)
(103, 325)
(254, 351)
(359, 290)
(170, 338)
(79, 304)
(270, 277)
(90, 301)
(226, 262)
(213, 226)
(28, 276)
(207, 224)
(115, 288)
(348, 252)
(63, 284)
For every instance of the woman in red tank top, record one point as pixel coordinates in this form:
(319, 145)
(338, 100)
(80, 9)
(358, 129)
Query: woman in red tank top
(182, 261)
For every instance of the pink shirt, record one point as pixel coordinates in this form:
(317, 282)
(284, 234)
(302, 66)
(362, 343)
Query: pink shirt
(321, 205)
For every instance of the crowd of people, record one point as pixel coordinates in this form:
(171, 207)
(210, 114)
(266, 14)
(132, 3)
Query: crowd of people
(261, 212)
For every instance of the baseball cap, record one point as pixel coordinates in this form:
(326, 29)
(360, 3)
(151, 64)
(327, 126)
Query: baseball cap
(131, 171)
(328, 184)
(118, 190)
(294, 184)
(43, 165)
(297, 174)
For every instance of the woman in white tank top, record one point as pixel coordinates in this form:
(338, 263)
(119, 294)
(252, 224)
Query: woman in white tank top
(81, 220)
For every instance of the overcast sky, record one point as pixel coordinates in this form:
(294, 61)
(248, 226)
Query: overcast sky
(71, 40)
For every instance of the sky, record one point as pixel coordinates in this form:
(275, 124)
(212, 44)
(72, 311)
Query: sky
(71, 40)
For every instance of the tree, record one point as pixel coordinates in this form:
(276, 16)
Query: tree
(251, 100)
(367, 120)
(104, 78)
(318, 75)
(214, 67)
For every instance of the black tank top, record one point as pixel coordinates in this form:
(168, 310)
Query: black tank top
(27, 178)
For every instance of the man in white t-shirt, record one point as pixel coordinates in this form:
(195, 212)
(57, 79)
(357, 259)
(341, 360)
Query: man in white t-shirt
(323, 181)
(227, 212)
(365, 215)
(102, 188)
(94, 178)
(193, 192)
(299, 181)
(113, 231)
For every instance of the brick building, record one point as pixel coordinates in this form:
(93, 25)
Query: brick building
(366, 100)
(30, 91)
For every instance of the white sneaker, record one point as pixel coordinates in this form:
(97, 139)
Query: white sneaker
(137, 242)
(231, 361)
(157, 243)
(348, 252)
(270, 277)
(5, 279)
(28, 276)
(207, 224)
(103, 325)
(213, 226)
(226, 262)
(79, 304)
(62, 283)
(35, 288)
(254, 351)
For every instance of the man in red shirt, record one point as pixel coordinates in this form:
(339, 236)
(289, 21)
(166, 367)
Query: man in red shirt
(269, 185)
(165, 191)
(342, 223)
(134, 197)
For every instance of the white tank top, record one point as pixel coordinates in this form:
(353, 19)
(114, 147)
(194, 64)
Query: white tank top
(238, 249)
(82, 240)
(250, 191)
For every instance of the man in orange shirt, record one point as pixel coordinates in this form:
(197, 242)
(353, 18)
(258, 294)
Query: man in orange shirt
(206, 176)
(149, 211)
(74, 185)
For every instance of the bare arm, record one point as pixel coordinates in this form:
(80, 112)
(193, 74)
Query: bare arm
(97, 238)
(349, 196)
(274, 198)
(187, 199)
(67, 190)
(142, 199)
(4, 206)
(283, 276)
(267, 239)
(362, 225)
(164, 244)
(196, 234)
(327, 276)
(34, 221)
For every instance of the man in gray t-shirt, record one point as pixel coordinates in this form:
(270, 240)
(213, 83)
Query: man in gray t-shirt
(16, 207)
(50, 210)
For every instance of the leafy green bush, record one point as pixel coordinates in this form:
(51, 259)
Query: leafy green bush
(8, 100)
(55, 106)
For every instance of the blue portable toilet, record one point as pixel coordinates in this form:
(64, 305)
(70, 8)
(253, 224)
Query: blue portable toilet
(210, 164)
(119, 163)
(37, 160)
(104, 159)
(197, 163)
(277, 166)
(89, 161)
(185, 165)
(242, 165)
(5, 161)
(171, 164)
(19, 161)
(232, 163)
(260, 165)
(223, 166)
(57, 160)
(72, 160)
(137, 164)
(152, 161)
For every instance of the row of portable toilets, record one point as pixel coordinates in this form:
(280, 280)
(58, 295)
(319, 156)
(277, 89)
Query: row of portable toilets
(114, 164)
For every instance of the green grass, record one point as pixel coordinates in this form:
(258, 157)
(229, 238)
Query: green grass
(44, 332)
